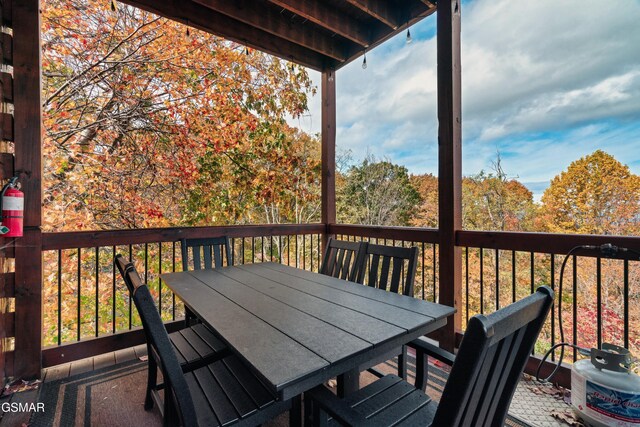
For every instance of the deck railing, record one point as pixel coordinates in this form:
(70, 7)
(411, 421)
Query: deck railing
(600, 295)
(86, 307)
(87, 310)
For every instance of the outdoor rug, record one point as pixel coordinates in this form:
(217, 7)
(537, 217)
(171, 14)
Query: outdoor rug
(114, 396)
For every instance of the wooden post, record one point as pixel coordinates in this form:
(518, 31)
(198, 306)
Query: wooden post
(28, 164)
(328, 136)
(449, 164)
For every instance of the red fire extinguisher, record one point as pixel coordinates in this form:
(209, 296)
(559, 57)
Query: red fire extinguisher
(12, 208)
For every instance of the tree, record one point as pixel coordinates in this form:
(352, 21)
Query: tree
(426, 213)
(376, 193)
(136, 110)
(595, 195)
(494, 202)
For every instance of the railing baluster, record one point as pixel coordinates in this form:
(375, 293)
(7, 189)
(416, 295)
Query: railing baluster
(513, 276)
(79, 285)
(497, 279)
(59, 296)
(173, 269)
(159, 281)
(553, 324)
(129, 293)
(311, 250)
(253, 250)
(113, 290)
(481, 281)
(599, 299)
(97, 291)
(423, 281)
(318, 251)
(466, 273)
(625, 297)
(232, 261)
(532, 273)
(146, 265)
(433, 246)
(574, 338)
(304, 252)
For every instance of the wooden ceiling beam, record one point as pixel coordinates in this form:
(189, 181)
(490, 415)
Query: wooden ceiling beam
(329, 18)
(221, 25)
(258, 14)
(430, 4)
(380, 10)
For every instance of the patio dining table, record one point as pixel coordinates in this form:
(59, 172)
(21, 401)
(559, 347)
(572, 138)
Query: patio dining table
(296, 329)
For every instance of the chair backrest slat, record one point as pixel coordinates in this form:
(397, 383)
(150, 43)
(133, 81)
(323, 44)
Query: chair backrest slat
(158, 340)
(373, 271)
(390, 268)
(346, 261)
(343, 259)
(490, 361)
(206, 253)
(384, 274)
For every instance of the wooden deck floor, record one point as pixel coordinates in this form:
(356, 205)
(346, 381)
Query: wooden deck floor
(81, 393)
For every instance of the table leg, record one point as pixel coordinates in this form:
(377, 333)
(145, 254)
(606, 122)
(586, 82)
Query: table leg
(348, 383)
(295, 414)
(189, 317)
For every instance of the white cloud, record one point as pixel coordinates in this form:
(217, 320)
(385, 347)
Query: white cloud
(548, 68)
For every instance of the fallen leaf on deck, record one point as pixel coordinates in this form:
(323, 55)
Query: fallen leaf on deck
(549, 390)
(567, 417)
(18, 386)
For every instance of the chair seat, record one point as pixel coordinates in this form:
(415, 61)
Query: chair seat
(197, 346)
(226, 392)
(389, 401)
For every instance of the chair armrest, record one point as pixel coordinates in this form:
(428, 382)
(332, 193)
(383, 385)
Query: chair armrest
(334, 406)
(422, 346)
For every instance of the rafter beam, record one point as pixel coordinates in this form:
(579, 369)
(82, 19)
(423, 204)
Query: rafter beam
(329, 18)
(216, 23)
(265, 18)
(379, 9)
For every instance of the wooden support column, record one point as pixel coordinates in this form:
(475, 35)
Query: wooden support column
(28, 165)
(328, 135)
(449, 164)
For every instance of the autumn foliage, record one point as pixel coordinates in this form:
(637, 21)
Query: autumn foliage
(150, 125)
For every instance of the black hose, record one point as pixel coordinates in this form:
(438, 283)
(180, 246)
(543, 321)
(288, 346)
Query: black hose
(562, 344)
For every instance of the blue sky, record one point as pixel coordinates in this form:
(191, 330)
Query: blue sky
(544, 83)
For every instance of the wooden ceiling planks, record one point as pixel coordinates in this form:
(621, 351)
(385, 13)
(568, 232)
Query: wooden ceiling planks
(322, 34)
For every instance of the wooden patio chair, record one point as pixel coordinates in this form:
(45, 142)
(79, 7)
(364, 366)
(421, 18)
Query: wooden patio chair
(478, 392)
(221, 393)
(206, 253)
(343, 259)
(391, 268)
(194, 346)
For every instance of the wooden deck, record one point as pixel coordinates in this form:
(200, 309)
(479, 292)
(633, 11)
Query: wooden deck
(81, 393)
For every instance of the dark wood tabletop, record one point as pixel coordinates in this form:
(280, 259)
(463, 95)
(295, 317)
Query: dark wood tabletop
(297, 329)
